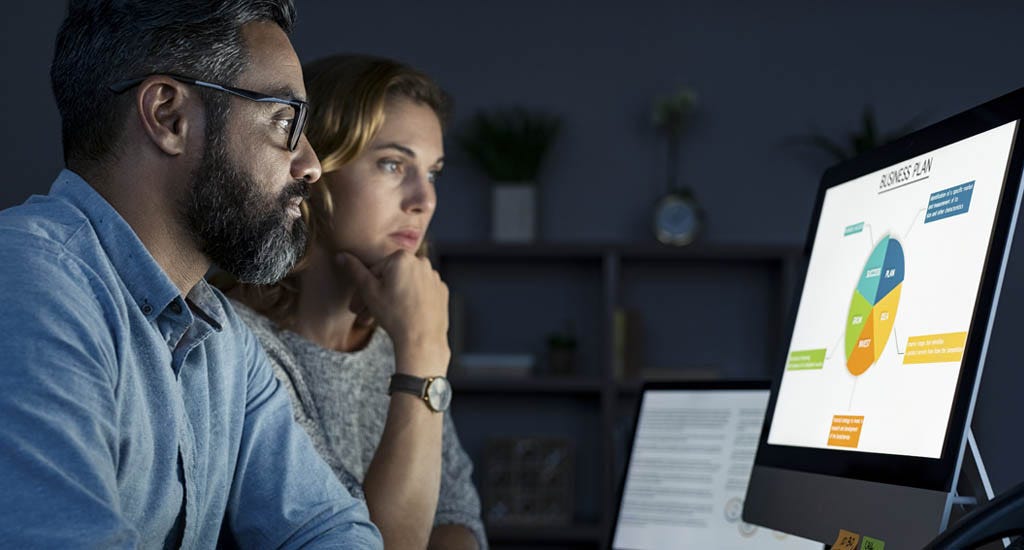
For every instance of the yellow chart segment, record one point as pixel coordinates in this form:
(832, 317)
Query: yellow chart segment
(883, 315)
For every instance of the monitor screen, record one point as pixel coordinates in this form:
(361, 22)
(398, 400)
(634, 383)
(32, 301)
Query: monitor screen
(888, 301)
(873, 396)
(688, 470)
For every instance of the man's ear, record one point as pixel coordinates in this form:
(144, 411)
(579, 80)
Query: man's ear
(168, 113)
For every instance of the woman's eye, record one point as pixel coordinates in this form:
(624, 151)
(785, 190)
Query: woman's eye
(433, 175)
(392, 166)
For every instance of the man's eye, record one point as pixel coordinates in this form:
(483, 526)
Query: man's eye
(284, 123)
(433, 175)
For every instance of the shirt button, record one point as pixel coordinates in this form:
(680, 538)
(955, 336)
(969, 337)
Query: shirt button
(147, 309)
(176, 308)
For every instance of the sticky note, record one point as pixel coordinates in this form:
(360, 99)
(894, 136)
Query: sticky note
(868, 543)
(846, 541)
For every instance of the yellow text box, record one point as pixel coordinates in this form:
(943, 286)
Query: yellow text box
(845, 431)
(935, 348)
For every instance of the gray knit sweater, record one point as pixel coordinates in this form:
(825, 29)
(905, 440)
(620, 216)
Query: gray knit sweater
(341, 400)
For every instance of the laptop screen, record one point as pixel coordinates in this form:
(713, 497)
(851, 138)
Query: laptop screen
(688, 468)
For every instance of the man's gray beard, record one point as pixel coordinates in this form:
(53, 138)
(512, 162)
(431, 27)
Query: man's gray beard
(242, 231)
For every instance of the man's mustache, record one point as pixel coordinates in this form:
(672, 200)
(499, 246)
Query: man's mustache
(298, 188)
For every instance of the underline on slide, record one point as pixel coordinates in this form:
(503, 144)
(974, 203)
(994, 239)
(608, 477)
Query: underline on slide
(903, 185)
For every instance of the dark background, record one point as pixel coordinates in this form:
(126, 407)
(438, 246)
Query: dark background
(763, 71)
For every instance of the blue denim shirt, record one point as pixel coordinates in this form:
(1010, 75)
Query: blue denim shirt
(133, 417)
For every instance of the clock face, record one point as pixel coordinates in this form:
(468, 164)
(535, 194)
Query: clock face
(676, 220)
(439, 394)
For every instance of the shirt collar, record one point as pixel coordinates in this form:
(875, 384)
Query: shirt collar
(204, 298)
(148, 284)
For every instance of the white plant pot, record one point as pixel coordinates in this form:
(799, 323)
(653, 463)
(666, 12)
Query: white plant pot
(514, 212)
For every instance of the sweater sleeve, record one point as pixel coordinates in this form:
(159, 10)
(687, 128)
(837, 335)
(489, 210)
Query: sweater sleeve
(458, 503)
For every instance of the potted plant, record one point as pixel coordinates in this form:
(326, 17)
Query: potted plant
(509, 146)
(854, 143)
(562, 351)
(677, 217)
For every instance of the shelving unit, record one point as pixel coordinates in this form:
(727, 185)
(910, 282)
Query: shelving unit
(585, 536)
(527, 385)
(717, 309)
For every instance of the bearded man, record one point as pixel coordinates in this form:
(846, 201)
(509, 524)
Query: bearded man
(137, 409)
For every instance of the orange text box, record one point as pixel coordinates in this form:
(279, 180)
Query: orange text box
(845, 431)
(935, 348)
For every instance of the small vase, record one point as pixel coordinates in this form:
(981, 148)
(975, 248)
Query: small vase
(514, 212)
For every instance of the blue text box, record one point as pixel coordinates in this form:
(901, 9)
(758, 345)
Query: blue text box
(949, 202)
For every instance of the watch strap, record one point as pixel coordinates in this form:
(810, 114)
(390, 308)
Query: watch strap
(408, 384)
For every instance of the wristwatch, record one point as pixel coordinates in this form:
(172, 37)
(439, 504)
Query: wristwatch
(435, 391)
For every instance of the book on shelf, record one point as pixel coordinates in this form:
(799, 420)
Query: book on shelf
(486, 365)
(676, 374)
(627, 343)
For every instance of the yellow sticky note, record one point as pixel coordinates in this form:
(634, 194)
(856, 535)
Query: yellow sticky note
(846, 541)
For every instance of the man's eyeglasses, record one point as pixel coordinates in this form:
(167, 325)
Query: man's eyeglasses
(300, 108)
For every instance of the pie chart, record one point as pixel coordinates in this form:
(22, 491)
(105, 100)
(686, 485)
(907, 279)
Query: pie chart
(873, 308)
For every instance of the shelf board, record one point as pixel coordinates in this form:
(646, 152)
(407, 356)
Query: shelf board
(462, 383)
(545, 533)
(597, 251)
(513, 385)
(710, 251)
(497, 251)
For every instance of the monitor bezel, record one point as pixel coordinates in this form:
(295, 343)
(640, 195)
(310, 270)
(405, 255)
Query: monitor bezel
(691, 385)
(925, 473)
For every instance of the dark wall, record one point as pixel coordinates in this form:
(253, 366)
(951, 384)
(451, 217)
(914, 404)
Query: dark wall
(763, 72)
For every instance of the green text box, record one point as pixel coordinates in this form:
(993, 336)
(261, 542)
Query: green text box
(853, 229)
(810, 359)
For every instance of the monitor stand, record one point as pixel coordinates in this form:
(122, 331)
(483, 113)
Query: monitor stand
(973, 489)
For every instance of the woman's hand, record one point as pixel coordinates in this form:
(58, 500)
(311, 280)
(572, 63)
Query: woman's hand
(410, 301)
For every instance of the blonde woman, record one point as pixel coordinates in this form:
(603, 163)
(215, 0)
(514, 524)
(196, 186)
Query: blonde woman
(364, 304)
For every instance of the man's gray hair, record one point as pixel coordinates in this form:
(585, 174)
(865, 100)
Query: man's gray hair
(102, 42)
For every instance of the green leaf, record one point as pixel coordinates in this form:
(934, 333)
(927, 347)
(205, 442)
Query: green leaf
(509, 144)
(866, 138)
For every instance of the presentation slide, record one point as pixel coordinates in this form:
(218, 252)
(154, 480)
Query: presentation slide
(890, 293)
(692, 456)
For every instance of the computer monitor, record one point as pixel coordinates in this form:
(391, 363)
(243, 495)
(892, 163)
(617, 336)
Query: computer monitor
(688, 466)
(865, 428)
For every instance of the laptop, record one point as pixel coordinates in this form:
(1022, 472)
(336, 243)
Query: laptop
(688, 466)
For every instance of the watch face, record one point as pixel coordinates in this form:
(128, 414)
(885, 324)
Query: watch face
(676, 220)
(439, 394)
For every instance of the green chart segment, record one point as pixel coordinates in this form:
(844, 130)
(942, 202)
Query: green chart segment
(873, 307)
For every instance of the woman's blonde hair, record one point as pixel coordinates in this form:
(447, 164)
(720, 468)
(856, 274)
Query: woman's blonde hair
(347, 97)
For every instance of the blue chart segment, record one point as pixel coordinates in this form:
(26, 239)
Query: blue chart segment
(873, 307)
(892, 269)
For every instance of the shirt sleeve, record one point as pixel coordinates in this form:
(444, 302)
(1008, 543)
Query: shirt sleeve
(58, 438)
(458, 503)
(283, 494)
